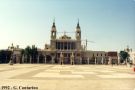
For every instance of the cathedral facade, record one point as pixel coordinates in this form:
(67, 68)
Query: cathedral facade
(64, 49)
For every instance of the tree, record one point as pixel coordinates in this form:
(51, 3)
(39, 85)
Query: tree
(34, 53)
(30, 54)
(27, 53)
(123, 56)
(5, 56)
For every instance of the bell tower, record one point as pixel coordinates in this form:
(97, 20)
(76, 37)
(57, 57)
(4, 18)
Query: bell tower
(78, 32)
(53, 31)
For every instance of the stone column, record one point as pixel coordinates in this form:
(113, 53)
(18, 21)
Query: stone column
(80, 60)
(72, 59)
(102, 60)
(45, 59)
(105, 60)
(88, 60)
(61, 58)
(38, 59)
(23, 59)
(109, 60)
(53, 60)
(11, 60)
(95, 60)
(118, 60)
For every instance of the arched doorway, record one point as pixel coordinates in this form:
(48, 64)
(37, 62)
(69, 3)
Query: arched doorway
(92, 60)
(41, 58)
(48, 59)
(84, 60)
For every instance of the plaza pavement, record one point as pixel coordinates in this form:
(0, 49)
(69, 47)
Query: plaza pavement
(66, 77)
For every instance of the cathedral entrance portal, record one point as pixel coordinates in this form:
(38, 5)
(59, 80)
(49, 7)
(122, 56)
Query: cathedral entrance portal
(63, 58)
(66, 58)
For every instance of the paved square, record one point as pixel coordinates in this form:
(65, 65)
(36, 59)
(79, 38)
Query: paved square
(66, 77)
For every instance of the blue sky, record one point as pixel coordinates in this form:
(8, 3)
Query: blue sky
(109, 23)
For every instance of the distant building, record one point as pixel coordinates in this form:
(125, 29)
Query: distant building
(131, 54)
(16, 53)
(65, 50)
(113, 58)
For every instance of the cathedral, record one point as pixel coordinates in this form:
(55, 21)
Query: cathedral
(68, 50)
(64, 49)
